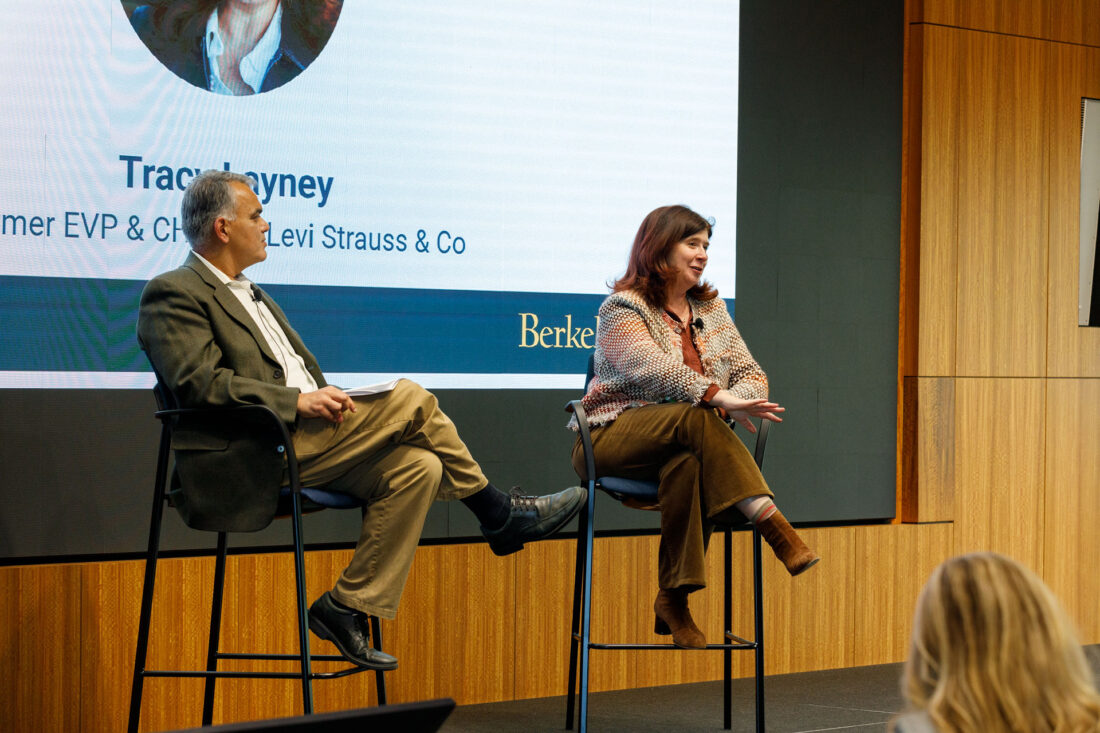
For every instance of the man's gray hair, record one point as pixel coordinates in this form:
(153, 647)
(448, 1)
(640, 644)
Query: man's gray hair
(207, 197)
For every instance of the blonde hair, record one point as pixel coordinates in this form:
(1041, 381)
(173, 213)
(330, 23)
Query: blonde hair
(993, 651)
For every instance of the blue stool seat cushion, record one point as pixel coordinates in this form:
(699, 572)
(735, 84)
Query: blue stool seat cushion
(628, 487)
(643, 491)
(328, 499)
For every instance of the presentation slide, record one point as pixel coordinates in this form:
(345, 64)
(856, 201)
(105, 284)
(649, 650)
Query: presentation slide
(450, 185)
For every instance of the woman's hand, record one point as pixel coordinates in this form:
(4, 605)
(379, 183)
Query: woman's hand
(740, 410)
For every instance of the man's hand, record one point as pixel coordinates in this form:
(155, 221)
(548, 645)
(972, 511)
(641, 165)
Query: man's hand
(740, 410)
(327, 402)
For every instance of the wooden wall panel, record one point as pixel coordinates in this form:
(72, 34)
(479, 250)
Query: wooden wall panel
(259, 615)
(1017, 201)
(891, 566)
(1073, 21)
(1002, 208)
(623, 573)
(624, 581)
(1020, 82)
(911, 206)
(800, 634)
(1072, 351)
(111, 601)
(742, 598)
(928, 492)
(544, 598)
(1018, 17)
(471, 626)
(929, 261)
(938, 169)
(454, 635)
(624, 586)
(999, 467)
(1067, 21)
(322, 570)
(914, 12)
(1072, 542)
(177, 640)
(40, 647)
(974, 195)
(108, 638)
(669, 668)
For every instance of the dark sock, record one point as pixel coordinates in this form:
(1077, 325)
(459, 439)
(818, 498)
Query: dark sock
(490, 505)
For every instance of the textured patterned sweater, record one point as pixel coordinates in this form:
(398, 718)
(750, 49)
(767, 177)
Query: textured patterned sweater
(639, 358)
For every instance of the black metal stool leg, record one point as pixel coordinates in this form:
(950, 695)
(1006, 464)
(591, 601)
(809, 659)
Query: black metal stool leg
(303, 613)
(575, 627)
(586, 610)
(727, 621)
(149, 582)
(215, 629)
(758, 622)
(379, 675)
(142, 642)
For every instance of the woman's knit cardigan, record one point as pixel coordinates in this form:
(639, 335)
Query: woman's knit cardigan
(639, 358)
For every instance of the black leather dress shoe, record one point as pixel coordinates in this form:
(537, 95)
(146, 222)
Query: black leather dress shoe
(350, 631)
(534, 518)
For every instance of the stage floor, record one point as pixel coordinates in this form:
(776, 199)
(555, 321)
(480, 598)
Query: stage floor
(856, 699)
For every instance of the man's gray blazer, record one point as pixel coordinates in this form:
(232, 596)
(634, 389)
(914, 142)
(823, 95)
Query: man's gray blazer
(209, 352)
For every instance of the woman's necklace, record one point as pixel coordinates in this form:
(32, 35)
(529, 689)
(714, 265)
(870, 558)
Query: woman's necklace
(681, 313)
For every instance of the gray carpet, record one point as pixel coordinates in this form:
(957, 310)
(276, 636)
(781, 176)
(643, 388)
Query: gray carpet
(858, 699)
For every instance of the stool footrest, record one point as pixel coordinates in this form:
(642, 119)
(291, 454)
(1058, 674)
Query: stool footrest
(277, 657)
(202, 673)
(745, 646)
(739, 640)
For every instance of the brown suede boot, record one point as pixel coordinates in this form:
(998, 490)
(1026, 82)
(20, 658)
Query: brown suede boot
(786, 543)
(673, 617)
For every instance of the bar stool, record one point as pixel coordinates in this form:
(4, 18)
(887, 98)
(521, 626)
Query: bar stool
(294, 500)
(581, 643)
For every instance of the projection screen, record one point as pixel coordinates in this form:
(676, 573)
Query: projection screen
(450, 185)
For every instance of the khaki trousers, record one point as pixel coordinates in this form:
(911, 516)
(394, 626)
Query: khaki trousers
(399, 453)
(703, 469)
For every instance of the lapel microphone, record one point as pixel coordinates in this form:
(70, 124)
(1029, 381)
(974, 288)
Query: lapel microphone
(698, 323)
(256, 296)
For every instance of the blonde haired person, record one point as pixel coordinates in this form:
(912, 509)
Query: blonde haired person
(993, 651)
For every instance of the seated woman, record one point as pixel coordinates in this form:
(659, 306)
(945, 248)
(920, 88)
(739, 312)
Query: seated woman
(670, 370)
(993, 652)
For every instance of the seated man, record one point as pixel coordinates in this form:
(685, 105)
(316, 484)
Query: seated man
(216, 339)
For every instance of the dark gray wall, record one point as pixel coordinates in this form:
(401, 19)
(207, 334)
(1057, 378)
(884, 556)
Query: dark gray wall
(817, 238)
(76, 469)
(818, 206)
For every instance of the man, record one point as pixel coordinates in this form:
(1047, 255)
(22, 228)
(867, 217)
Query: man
(215, 339)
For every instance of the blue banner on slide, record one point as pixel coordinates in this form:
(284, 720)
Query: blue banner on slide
(77, 324)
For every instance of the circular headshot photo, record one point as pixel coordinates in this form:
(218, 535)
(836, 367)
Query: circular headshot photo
(235, 47)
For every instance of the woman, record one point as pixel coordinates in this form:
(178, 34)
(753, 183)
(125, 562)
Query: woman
(670, 370)
(993, 652)
(236, 47)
